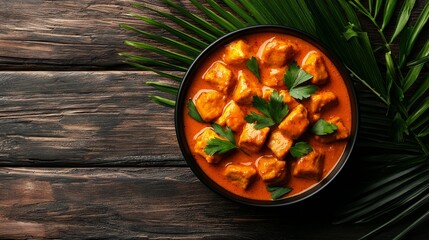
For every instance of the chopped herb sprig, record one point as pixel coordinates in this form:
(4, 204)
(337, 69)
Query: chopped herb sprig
(193, 112)
(296, 76)
(252, 65)
(300, 149)
(273, 111)
(278, 192)
(323, 127)
(221, 146)
(218, 146)
(226, 133)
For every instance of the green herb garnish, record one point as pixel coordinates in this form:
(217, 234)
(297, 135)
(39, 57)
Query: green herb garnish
(278, 192)
(295, 76)
(252, 65)
(226, 133)
(273, 111)
(322, 127)
(261, 121)
(300, 149)
(193, 112)
(220, 146)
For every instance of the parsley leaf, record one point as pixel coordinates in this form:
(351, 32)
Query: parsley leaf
(278, 192)
(295, 76)
(303, 91)
(220, 146)
(261, 121)
(322, 127)
(193, 112)
(273, 111)
(300, 149)
(252, 65)
(261, 105)
(226, 133)
(277, 108)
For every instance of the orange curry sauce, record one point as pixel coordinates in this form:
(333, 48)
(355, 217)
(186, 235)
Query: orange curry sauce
(257, 188)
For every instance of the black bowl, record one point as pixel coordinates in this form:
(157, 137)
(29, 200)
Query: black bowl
(181, 101)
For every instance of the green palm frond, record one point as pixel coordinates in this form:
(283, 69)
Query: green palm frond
(393, 102)
(199, 20)
(227, 15)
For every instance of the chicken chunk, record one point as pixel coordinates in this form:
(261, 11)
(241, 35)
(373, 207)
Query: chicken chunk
(240, 175)
(314, 64)
(273, 77)
(279, 144)
(318, 101)
(236, 52)
(342, 132)
(232, 116)
(247, 87)
(220, 77)
(201, 140)
(295, 123)
(277, 52)
(309, 166)
(210, 104)
(271, 170)
(252, 139)
(287, 98)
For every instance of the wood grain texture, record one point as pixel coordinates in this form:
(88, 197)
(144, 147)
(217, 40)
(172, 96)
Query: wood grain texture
(69, 34)
(83, 119)
(83, 35)
(148, 203)
(86, 155)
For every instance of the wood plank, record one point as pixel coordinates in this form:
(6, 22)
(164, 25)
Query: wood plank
(69, 34)
(149, 203)
(84, 118)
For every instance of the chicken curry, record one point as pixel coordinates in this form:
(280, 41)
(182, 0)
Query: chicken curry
(267, 116)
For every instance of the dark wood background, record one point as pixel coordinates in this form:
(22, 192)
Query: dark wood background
(85, 154)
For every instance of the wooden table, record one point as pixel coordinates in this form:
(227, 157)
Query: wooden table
(84, 153)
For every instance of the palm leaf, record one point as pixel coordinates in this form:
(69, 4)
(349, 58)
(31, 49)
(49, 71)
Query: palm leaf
(418, 61)
(411, 209)
(150, 62)
(193, 52)
(394, 129)
(212, 15)
(407, 7)
(420, 92)
(378, 4)
(410, 38)
(227, 15)
(164, 87)
(161, 73)
(423, 218)
(177, 33)
(200, 21)
(414, 71)
(186, 60)
(163, 101)
(389, 8)
(424, 132)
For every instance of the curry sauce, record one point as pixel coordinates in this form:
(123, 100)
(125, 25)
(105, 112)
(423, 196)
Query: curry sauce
(223, 91)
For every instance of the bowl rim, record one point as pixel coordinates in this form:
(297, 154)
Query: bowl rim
(180, 111)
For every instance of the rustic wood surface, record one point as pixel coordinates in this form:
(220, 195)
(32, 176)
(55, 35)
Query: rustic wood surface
(148, 203)
(85, 154)
(68, 34)
(84, 118)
